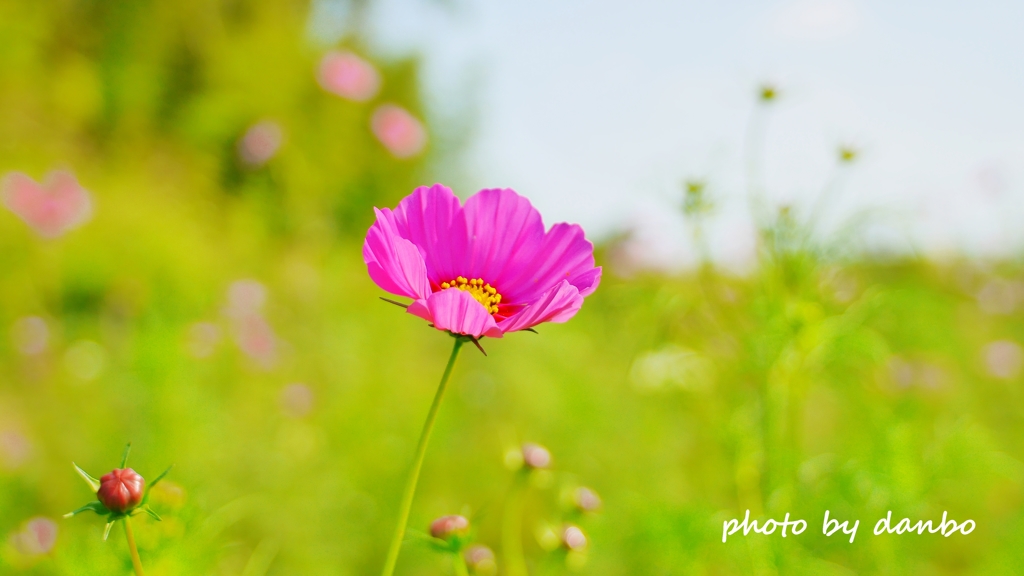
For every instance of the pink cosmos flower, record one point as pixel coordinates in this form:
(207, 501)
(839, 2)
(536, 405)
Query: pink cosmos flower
(37, 537)
(398, 130)
(348, 76)
(51, 208)
(483, 269)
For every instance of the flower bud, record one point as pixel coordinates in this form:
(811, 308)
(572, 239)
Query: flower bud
(536, 456)
(480, 560)
(120, 490)
(573, 538)
(446, 527)
(587, 500)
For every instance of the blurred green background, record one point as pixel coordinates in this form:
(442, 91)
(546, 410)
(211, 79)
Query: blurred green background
(214, 309)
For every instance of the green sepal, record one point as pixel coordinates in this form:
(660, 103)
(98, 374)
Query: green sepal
(142, 508)
(124, 457)
(455, 544)
(106, 530)
(95, 506)
(92, 482)
(145, 495)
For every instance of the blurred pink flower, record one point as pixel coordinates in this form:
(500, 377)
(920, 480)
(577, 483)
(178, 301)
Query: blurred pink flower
(30, 335)
(348, 76)
(483, 269)
(15, 449)
(260, 143)
(256, 338)
(296, 400)
(51, 208)
(253, 333)
(245, 297)
(398, 130)
(37, 537)
(1003, 359)
(203, 338)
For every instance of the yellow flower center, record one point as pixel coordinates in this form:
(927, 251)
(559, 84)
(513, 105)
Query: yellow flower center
(477, 288)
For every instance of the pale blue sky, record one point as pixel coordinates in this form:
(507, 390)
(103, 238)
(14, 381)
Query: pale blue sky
(598, 110)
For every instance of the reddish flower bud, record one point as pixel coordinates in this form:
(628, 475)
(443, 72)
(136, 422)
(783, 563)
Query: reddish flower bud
(536, 456)
(120, 490)
(447, 526)
(573, 538)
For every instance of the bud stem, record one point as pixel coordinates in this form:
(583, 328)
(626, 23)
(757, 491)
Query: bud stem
(460, 565)
(414, 473)
(136, 561)
(512, 526)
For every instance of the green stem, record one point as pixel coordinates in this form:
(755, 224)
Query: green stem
(136, 561)
(414, 474)
(460, 565)
(512, 528)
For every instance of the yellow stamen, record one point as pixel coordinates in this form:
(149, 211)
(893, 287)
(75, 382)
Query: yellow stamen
(481, 291)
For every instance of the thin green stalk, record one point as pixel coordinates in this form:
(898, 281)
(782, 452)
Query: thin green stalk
(512, 528)
(414, 474)
(136, 561)
(460, 565)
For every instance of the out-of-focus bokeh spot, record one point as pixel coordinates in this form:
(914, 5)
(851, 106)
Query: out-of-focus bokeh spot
(85, 359)
(399, 131)
(51, 208)
(348, 76)
(297, 400)
(30, 335)
(1003, 359)
(260, 142)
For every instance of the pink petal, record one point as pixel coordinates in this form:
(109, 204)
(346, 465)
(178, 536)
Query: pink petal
(433, 220)
(564, 254)
(458, 312)
(394, 263)
(505, 233)
(558, 304)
